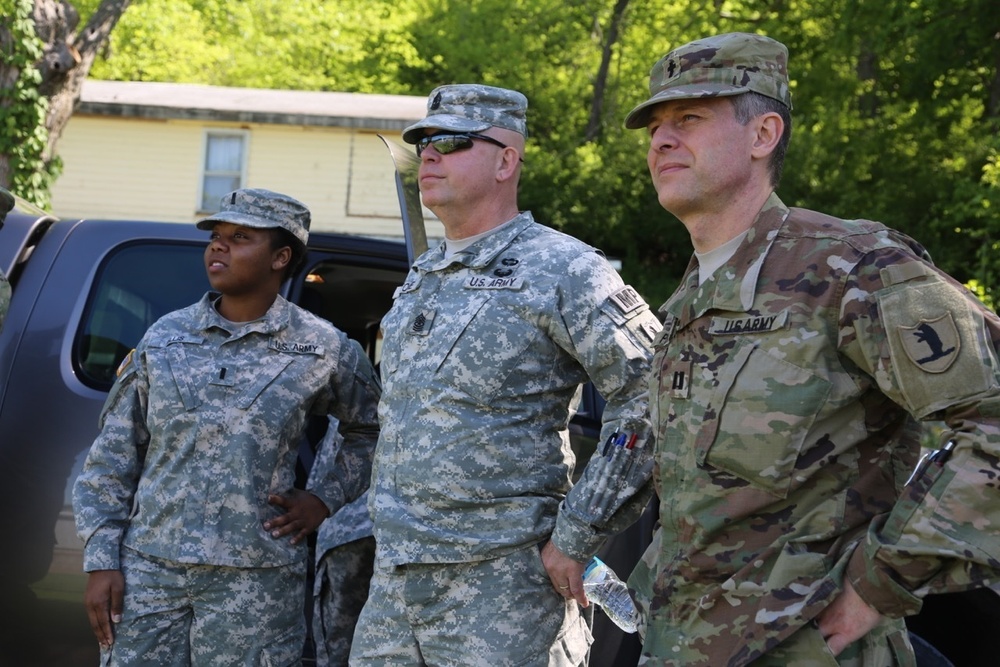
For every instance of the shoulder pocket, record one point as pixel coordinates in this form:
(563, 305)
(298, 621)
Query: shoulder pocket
(939, 345)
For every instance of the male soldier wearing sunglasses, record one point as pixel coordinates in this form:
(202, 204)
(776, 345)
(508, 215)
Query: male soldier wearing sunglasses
(481, 542)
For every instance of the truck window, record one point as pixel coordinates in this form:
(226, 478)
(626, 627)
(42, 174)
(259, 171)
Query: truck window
(134, 286)
(352, 296)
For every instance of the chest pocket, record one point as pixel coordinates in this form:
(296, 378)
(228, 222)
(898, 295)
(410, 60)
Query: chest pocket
(486, 345)
(768, 407)
(189, 369)
(264, 374)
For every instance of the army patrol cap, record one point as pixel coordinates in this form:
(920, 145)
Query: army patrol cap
(730, 64)
(470, 107)
(6, 203)
(262, 209)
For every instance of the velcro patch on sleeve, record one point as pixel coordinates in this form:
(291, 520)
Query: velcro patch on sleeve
(627, 300)
(939, 353)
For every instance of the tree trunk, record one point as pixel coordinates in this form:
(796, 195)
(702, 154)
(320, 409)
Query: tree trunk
(69, 56)
(600, 83)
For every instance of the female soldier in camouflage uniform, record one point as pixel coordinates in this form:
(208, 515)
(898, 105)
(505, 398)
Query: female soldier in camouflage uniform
(187, 492)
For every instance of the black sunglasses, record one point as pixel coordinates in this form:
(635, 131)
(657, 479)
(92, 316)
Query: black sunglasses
(449, 143)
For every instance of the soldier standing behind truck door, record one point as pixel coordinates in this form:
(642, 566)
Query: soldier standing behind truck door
(345, 558)
(187, 494)
(481, 541)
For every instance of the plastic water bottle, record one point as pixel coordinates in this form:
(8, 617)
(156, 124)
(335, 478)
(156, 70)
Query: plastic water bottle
(604, 588)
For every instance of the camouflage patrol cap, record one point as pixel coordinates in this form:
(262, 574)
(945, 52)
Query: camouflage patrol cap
(468, 107)
(262, 209)
(719, 66)
(6, 203)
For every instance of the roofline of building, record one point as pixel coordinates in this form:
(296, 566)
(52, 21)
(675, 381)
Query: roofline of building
(184, 101)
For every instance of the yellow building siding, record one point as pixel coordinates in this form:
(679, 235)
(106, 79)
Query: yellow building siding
(137, 168)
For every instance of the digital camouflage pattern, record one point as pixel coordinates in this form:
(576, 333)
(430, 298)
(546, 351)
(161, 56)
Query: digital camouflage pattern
(340, 590)
(262, 209)
(717, 66)
(352, 521)
(482, 356)
(218, 632)
(345, 558)
(205, 420)
(781, 396)
(531, 624)
(468, 107)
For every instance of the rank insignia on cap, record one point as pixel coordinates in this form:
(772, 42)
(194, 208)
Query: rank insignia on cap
(932, 345)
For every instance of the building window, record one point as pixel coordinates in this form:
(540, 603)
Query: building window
(224, 167)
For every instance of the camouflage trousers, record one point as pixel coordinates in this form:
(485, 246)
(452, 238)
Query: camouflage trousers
(888, 645)
(339, 592)
(179, 615)
(494, 613)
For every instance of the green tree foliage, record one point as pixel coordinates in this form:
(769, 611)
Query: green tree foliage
(896, 103)
(23, 135)
(348, 45)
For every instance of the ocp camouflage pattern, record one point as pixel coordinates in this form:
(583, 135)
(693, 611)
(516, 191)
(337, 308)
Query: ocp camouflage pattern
(782, 392)
(483, 354)
(205, 420)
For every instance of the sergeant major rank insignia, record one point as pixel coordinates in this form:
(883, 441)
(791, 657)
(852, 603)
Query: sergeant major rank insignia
(421, 323)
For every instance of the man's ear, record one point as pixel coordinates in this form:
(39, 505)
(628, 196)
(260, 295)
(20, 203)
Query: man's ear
(509, 161)
(769, 128)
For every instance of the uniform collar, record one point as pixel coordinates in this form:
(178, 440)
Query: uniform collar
(734, 285)
(274, 320)
(480, 254)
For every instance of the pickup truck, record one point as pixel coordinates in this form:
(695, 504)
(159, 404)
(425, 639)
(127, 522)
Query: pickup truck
(84, 291)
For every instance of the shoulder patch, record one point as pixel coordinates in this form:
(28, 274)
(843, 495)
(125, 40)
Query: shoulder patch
(626, 300)
(933, 345)
(126, 363)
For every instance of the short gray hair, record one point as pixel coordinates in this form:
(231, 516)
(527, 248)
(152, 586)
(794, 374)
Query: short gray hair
(750, 105)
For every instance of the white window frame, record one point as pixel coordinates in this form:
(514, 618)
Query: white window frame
(203, 172)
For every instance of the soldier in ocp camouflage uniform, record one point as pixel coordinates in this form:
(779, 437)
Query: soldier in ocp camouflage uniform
(480, 540)
(794, 357)
(187, 493)
(6, 204)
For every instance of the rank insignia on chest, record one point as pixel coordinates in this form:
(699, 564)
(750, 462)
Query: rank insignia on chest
(420, 324)
(677, 378)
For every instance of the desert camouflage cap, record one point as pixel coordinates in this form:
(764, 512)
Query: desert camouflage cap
(262, 209)
(468, 107)
(729, 64)
(6, 203)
